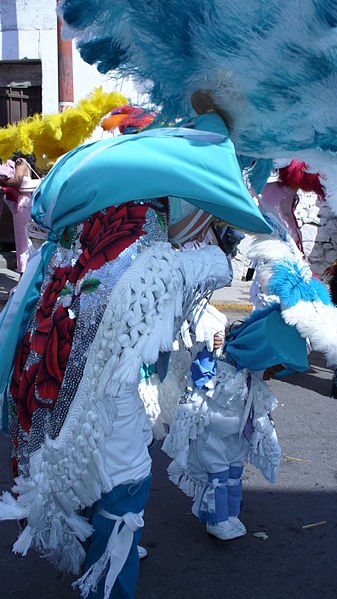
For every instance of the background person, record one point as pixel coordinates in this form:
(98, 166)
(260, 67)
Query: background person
(18, 180)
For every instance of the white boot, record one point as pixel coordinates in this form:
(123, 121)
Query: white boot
(238, 524)
(227, 530)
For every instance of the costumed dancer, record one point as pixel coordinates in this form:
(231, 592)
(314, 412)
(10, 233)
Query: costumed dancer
(278, 202)
(224, 417)
(229, 406)
(19, 179)
(103, 295)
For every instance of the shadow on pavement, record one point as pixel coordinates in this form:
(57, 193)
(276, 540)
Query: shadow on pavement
(293, 563)
(183, 563)
(317, 379)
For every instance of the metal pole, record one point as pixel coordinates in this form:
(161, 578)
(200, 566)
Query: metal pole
(65, 69)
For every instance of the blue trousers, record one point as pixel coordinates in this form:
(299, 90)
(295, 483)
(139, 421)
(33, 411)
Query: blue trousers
(227, 496)
(130, 497)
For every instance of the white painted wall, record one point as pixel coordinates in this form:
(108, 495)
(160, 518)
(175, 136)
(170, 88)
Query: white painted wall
(28, 29)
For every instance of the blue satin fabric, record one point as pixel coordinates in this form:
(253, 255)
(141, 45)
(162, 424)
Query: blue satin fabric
(19, 310)
(262, 341)
(265, 340)
(199, 165)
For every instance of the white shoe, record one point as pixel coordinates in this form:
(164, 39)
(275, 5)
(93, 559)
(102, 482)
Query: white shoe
(236, 522)
(142, 553)
(227, 530)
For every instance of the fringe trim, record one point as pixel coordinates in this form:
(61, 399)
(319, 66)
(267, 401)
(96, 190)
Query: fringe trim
(70, 472)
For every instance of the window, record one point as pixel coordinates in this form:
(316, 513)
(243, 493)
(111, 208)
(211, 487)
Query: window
(20, 90)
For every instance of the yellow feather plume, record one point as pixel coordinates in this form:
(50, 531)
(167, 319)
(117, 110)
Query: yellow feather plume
(51, 135)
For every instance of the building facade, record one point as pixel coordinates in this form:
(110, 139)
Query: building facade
(29, 62)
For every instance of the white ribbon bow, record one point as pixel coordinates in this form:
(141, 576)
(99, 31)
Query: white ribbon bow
(116, 552)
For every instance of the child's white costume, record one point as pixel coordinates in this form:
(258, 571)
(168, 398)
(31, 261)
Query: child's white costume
(225, 421)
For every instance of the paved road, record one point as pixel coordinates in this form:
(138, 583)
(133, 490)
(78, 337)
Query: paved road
(293, 563)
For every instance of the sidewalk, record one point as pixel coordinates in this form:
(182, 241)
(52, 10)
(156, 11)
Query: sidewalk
(8, 275)
(234, 298)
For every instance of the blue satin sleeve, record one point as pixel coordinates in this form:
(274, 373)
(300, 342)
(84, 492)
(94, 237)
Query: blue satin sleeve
(14, 321)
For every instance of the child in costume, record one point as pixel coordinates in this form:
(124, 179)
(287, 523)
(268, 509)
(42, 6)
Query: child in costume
(224, 421)
(224, 418)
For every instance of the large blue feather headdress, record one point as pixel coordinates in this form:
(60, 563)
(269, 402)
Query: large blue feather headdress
(272, 65)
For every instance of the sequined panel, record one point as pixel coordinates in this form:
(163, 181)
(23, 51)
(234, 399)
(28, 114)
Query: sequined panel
(71, 305)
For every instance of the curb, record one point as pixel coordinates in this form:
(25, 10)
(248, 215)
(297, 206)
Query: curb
(218, 304)
(231, 307)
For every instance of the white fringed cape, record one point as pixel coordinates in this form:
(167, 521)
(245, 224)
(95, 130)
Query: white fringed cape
(69, 473)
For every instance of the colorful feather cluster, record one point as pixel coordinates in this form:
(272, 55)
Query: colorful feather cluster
(270, 65)
(297, 176)
(305, 301)
(49, 136)
(128, 119)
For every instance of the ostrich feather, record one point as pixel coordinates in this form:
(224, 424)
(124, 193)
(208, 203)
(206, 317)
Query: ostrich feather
(305, 301)
(271, 65)
(51, 135)
(265, 55)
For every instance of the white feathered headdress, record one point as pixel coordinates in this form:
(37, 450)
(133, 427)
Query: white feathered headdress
(305, 301)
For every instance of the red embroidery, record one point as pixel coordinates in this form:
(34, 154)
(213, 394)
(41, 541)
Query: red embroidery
(105, 235)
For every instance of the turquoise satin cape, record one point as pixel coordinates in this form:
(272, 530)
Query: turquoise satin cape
(197, 164)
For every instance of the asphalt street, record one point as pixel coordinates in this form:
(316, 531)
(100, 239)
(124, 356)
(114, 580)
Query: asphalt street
(183, 562)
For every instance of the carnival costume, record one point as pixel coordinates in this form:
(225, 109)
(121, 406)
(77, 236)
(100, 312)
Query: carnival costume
(103, 295)
(224, 417)
(224, 420)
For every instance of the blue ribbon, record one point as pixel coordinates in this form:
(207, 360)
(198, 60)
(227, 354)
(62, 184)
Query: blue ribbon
(203, 368)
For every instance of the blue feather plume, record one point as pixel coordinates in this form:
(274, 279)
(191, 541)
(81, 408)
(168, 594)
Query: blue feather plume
(290, 285)
(273, 64)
